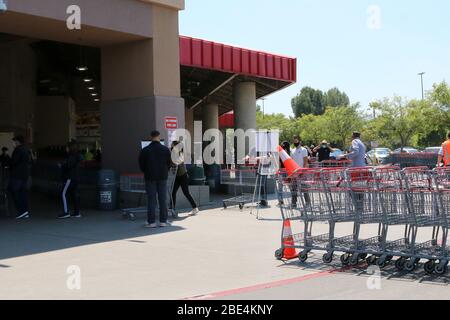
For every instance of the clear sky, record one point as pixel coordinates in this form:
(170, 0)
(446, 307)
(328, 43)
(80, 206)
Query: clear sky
(369, 49)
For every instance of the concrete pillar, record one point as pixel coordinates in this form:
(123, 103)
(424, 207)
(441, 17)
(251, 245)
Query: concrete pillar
(140, 88)
(244, 97)
(210, 116)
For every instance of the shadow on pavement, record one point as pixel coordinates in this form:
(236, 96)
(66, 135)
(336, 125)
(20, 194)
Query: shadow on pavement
(44, 233)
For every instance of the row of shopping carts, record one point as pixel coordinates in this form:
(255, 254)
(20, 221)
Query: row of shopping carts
(414, 202)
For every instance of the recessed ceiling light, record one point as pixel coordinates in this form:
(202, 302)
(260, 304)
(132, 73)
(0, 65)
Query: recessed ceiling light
(82, 68)
(94, 94)
(91, 88)
(87, 80)
(97, 100)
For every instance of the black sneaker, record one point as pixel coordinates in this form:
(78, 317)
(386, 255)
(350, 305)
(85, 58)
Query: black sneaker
(64, 216)
(24, 215)
(76, 215)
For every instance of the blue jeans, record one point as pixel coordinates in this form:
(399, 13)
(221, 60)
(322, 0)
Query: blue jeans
(159, 188)
(19, 191)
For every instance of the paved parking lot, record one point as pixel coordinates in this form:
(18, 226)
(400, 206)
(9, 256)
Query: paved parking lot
(216, 255)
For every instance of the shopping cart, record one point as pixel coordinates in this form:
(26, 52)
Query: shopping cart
(414, 198)
(240, 179)
(331, 164)
(135, 184)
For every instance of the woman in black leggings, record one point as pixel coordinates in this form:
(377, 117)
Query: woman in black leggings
(182, 179)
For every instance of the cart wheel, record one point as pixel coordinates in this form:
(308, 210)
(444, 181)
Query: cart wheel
(328, 258)
(241, 206)
(441, 268)
(345, 259)
(410, 266)
(279, 254)
(303, 257)
(354, 260)
(400, 264)
(429, 267)
(382, 262)
(372, 260)
(362, 256)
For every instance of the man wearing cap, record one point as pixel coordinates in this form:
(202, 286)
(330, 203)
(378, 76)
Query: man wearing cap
(155, 162)
(19, 175)
(323, 151)
(357, 152)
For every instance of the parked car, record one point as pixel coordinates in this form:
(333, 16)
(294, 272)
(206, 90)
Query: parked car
(406, 150)
(378, 155)
(435, 150)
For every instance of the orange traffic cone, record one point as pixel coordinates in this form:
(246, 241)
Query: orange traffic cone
(291, 166)
(288, 242)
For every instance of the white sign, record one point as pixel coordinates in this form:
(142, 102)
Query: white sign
(267, 141)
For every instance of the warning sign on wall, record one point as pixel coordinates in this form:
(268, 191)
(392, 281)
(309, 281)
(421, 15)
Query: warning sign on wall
(171, 123)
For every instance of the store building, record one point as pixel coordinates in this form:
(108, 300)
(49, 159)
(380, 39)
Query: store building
(122, 72)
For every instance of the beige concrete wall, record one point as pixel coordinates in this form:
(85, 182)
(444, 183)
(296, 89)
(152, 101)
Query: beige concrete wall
(127, 71)
(127, 16)
(166, 52)
(174, 4)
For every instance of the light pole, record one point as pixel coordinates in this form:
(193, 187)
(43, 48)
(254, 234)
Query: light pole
(264, 107)
(421, 81)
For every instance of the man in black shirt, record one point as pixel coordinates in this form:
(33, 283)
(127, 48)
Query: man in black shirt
(155, 162)
(19, 175)
(323, 151)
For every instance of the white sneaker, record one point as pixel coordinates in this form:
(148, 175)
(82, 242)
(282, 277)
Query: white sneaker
(165, 224)
(151, 226)
(194, 212)
(24, 215)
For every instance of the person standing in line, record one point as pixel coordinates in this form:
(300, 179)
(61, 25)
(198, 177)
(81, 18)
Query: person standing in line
(444, 153)
(70, 172)
(155, 162)
(300, 156)
(19, 175)
(323, 151)
(300, 153)
(5, 159)
(182, 178)
(357, 152)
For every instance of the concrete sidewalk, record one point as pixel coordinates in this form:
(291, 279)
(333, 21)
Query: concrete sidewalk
(214, 252)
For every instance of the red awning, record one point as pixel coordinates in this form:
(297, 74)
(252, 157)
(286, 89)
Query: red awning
(220, 57)
(226, 121)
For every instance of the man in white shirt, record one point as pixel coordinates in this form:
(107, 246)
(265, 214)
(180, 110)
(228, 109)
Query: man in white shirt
(299, 153)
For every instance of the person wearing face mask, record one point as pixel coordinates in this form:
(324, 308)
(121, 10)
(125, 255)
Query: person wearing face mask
(323, 151)
(299, 153)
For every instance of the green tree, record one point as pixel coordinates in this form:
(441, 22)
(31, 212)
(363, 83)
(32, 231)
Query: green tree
(335, 98)
(309, 101)
(340, 123)
(399, 123)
